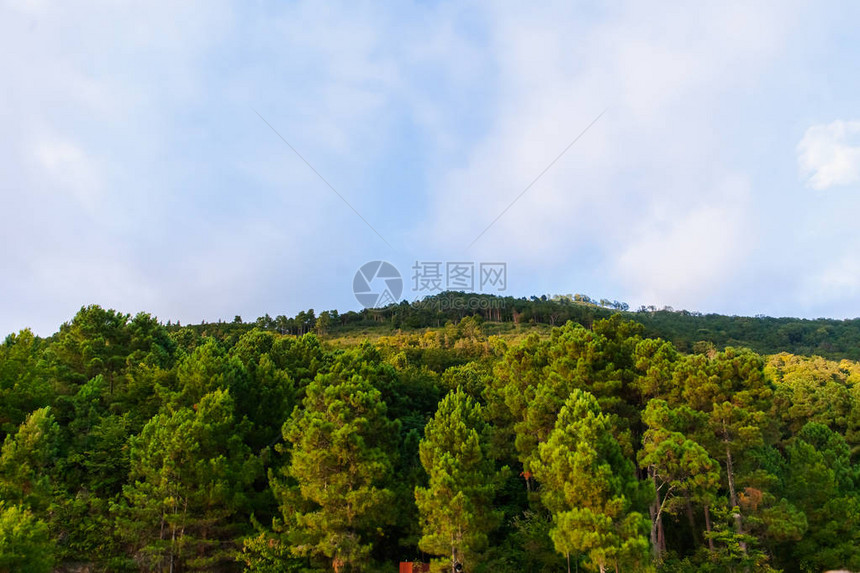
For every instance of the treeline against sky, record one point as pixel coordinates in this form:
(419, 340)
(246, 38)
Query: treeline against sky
(829, 338)
(129, 445)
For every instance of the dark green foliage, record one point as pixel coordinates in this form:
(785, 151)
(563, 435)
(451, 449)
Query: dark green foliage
(189, 476)
(26, 461)
(591, 488)
(24, 382)
(296, 444)
(333, 491)
(25, 544)
(689, 331)
(456, 507)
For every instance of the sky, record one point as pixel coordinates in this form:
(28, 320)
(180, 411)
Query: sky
(201, 160)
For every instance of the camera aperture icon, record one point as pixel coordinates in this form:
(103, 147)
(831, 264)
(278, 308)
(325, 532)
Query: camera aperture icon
(377, 284)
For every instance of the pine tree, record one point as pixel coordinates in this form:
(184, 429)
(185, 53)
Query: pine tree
(24, 384)
(679, 467)
(590, 487)
(333, 492)
(25, 544)
(189, 475)
(26, 459)
(456, 506)
(823, 483)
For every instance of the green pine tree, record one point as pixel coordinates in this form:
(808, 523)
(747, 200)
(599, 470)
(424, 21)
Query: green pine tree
(591, 488)
(25, 544)
(456, 507)
(190, 473)
(334, 492)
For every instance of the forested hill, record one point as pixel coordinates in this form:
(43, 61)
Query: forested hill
(688, 331)
(483, 436)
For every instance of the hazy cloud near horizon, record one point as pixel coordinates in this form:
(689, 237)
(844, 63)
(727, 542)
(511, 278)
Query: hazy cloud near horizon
(724, 175)
(829, 155)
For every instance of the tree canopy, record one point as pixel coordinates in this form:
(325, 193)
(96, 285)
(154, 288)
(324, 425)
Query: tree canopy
(534, 435)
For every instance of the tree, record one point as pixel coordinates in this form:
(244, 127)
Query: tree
(822, 482)
(263, 392)
(24, 541)
(655, 361)
(729, 388)
(678, 466)
(24, 385)
(333, 493)
(268, 553)
(590, 487)
(456, 506)
(814, 390)
(99, 341)
(534, 379)
(206, 369)
(323, 323)
(735, 551)
(737, 430)
(26, 458)
(189, 475)
(96, 458)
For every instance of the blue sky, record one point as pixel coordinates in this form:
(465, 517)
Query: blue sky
(135, 173)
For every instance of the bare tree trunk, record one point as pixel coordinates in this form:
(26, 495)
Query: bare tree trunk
(708, 527)
(173, 539)
(691, 519)
(655, 546)
(733, 498)
(661, 535)
(172, 548)
(453, 555)
(654, 510)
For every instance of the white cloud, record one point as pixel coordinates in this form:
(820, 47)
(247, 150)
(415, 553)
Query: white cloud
(690, 255)
(834, 281)
(829, 154)
(69, 169)
(648, 180)
(149, 167)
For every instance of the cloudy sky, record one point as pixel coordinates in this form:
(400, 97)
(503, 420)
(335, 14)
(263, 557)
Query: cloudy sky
(136, 173)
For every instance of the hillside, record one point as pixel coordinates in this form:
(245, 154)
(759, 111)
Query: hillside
(829, 338)
(520, 437)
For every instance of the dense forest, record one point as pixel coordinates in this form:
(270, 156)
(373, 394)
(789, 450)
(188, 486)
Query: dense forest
(828, 338)
(548, 434)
